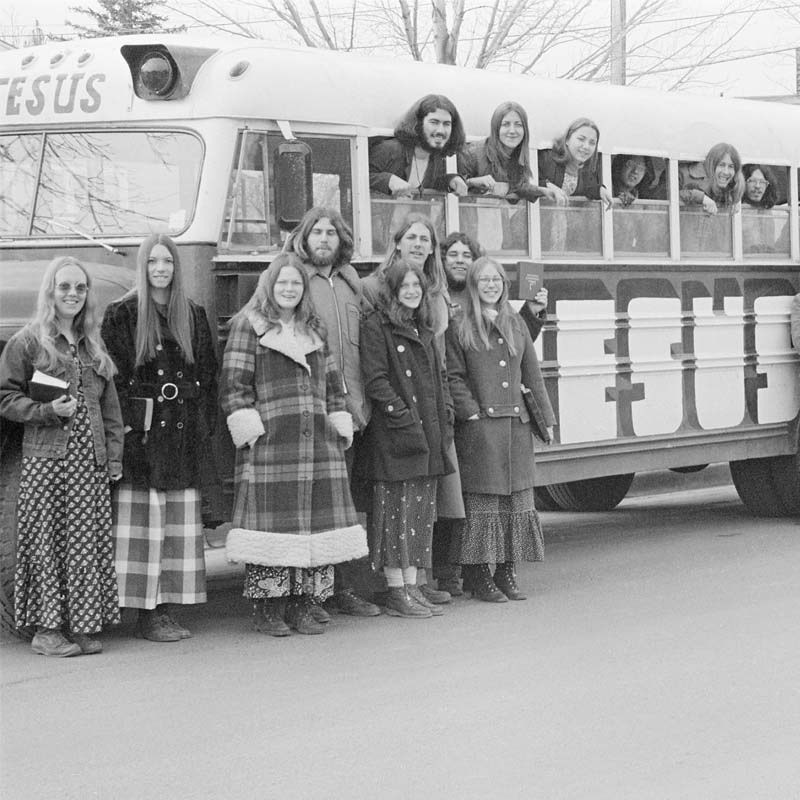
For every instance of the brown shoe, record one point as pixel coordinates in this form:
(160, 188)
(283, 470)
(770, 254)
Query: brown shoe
(434, 595)
(348, 602)
(319, 613)
(88, 646)
(268, 617)
(51, 642)
(152, 626)
(400, 604)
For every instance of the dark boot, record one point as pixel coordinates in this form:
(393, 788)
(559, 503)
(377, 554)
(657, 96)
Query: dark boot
(299, 617)
(449, 580)
(268, 617)
(400, 604)
(87, 644)
(169, 620)
(506, 581)
(152, 626)
(421, 599)
(482, 586)
(319, 613)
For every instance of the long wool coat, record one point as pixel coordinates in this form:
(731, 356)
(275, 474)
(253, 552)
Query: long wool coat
(177, 451)
(292, 506)
(495, 452)
(411, 426)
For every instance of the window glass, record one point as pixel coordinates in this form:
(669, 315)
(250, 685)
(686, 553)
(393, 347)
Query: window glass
(765, 211)
(125, 183)
(500, 226)
(641, 208)
(574, 230)
(19, 163)
(251, 209)
(703, 235)
(388, 215)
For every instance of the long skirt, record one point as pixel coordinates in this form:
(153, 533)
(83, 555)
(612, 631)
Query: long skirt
(160, 554)
(403, 513)
(501, 528)
(262, 582)
(65, 553)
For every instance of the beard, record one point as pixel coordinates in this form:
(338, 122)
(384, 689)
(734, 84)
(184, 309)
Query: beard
(455, 284)
(323, 258)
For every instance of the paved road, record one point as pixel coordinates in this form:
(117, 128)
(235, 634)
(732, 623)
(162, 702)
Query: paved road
(658, 657)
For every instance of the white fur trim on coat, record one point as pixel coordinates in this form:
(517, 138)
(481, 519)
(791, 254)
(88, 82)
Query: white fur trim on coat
(343, 422)
(296, 550)
(245, 426)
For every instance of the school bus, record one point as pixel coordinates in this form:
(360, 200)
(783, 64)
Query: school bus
(667, 336)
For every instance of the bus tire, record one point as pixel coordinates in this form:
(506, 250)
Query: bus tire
(10, 460)
(591, 494)
(785, 472)
(755, 483)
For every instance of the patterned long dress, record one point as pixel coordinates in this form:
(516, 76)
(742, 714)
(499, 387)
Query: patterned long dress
(65, 554)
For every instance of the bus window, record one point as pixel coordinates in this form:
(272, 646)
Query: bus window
(641, 208)
(388, 215)
(117, 183)
(765, 211)
(19, 163)
(499, 225)
(702, 235)
(250, 220)
(574, 230)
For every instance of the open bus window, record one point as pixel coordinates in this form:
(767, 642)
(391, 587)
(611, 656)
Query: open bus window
(499, 225)
(388, 215)
(765, 211)
(123, 183)
(250, 218)
(19, 163)
(641, 207)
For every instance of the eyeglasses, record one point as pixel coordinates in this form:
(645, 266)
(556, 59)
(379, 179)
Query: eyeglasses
(757, 182)
(65, 288)
(484, 281)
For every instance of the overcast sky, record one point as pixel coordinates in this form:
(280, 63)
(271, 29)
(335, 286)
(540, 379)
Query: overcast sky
(766, 75)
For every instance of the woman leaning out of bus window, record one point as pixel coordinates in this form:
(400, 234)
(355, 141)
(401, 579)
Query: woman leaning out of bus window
(716, 182)
(65, 587)
(283, 395)
(489, 355)
(408, 437)
(572, 165)
(161, 344)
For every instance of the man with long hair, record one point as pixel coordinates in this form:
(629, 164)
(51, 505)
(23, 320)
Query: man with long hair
(324, 243)
(414, 158)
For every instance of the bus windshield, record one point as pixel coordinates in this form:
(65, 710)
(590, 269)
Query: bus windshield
(125, 183)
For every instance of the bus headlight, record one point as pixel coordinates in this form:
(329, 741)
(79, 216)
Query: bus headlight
(164, 72)
(157, 74)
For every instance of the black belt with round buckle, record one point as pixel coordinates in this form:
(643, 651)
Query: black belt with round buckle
(169, 391)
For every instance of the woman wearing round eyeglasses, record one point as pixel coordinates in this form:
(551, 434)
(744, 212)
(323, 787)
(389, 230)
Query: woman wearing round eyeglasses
(56, 379)
(489, 355)
(161, 344)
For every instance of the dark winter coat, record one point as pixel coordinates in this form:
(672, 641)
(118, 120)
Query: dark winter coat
(293, 506)
(495, 452)
(411, 426)
(389, 157)
(473, 162)
(588, 180)
(177, 451)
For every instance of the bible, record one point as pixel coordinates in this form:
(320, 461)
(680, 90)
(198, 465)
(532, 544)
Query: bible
(46, 388)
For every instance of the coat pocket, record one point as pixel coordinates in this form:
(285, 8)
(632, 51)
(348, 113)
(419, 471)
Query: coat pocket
(406, 436)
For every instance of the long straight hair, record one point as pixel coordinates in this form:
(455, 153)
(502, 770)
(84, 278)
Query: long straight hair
(398, 314)
(43, 330)
(433, 269)
(473, 327)
(179, 312)
(263, 299)
(516, 164)
(732, 193)
(561, 154)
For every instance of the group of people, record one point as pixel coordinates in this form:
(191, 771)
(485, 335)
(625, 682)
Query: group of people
(402, 390)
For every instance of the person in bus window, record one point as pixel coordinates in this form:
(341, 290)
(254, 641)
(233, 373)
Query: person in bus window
(65, 587)
(283, 397)
(414, 159)
(490, 355)
(161, 343)
(416, 244)
(324, 243)
(627, 173)
(500, 164)
(572, 165)
(760, 186)
(714, 183)
(409, 435)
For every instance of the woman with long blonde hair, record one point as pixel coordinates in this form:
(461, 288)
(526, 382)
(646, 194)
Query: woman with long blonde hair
(56, 378)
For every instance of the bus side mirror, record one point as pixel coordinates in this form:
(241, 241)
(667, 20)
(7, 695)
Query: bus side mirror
(294, 190)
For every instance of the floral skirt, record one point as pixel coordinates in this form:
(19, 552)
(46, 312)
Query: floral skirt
(501, 528)
(261, 582)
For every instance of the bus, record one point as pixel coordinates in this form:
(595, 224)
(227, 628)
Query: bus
(667, 340)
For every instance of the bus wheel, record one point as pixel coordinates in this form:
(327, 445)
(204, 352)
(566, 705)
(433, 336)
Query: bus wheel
(543, 500)
(10, 460)
(591, 494)
(768, 486)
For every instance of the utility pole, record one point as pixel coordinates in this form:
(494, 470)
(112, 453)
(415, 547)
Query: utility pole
(618, 46)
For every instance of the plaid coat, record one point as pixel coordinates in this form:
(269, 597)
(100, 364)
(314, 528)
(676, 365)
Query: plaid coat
(292, 499)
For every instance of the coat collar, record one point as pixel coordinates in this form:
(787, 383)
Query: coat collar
(345, 272)
(284, 340)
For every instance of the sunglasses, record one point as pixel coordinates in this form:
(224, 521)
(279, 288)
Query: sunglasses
(66, 288)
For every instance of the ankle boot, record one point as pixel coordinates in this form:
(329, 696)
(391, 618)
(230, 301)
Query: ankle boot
(51, 642)
(152, 626)
(267, 617)
(400, 604)
(421, 599)
(165, 610)
(482, 586)
(506, 581)
(299, 617)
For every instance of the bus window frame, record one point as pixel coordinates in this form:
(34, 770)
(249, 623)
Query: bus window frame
(48, 130)
(791, 208)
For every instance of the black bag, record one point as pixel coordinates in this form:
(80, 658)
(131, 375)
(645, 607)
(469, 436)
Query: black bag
(537, 420)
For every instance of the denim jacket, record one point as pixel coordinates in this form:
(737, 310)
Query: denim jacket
(46, 434)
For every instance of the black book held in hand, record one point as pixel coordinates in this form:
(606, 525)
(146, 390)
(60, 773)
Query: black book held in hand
(140, 413)
(46, 388)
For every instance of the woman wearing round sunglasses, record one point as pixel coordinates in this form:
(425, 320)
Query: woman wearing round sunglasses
(56, 379)
(489, 355)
